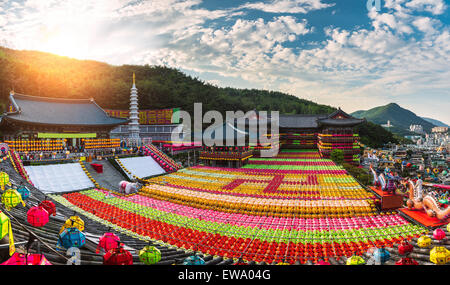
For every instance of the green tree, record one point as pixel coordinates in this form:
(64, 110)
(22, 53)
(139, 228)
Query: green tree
(337, 155)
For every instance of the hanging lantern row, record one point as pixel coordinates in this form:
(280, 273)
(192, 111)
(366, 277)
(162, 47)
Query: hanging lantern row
(36, 145)
(101, 143)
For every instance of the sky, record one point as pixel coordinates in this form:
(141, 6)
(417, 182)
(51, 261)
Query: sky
(353, 54)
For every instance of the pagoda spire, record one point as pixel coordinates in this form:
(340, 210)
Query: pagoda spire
(134, 112)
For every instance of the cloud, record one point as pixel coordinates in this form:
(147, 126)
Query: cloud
(287, 6)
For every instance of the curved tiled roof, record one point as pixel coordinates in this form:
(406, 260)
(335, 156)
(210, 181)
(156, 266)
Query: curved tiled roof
(58, 111)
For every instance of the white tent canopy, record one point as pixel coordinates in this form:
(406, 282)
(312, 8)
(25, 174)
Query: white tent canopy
(59, 177)
(142, 166)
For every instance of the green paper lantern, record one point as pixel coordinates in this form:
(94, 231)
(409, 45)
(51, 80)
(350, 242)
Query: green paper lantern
(11, 198)
(149, 255)
(4, 179)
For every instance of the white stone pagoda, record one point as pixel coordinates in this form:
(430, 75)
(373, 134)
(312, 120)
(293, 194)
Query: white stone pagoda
(134, 112)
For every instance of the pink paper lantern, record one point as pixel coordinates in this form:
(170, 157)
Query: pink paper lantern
(107, 242)
(438, 234)
(37, 216)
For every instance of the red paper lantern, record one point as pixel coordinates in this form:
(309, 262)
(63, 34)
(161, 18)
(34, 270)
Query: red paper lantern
(49, 206)
(107, 242)
(37, 216)
(118, 256)
(438, 234)
(405, 247)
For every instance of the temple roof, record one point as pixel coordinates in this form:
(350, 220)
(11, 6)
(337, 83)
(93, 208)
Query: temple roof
(300, 121)
(338, 118)
(58, 111)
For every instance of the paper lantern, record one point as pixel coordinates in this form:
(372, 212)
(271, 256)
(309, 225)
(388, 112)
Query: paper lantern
(424, 241)
(107, 242)
(356, 260)
(406, 261)
(71, 237)
(438, 234)
(405, 247)
(37, 216)
(6, 229)
(73, 222)
(26, 259)
(11, 198)
(49, 206)
(194, 260)
(24, 192)
(4, 179)
(381, 255)
(440, 255)
(149, 255)
(118, 256)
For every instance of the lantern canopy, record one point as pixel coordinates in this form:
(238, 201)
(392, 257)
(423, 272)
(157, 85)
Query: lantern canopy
(118, 256)
(71, 237)
(37, 216)
(149, 255)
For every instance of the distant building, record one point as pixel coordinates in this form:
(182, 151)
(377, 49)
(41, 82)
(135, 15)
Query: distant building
(416, 129)
(439, 130)
(388, 125)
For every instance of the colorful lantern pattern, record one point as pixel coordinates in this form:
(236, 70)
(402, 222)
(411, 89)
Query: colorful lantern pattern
(37, 216)
(149, 255)
(118, 256)
(12, 198)
(295, 207)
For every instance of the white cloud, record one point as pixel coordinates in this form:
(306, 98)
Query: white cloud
(287, 6)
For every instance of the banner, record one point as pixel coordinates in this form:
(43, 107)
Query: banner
(150, 117)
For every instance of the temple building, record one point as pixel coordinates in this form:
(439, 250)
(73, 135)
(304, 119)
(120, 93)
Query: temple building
(40, 118)
(324, 132)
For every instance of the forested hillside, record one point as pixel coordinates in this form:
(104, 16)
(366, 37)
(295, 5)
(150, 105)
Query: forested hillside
(43, 74)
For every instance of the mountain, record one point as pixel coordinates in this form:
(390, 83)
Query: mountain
(48, 75)
(435, 122)
(399, 117)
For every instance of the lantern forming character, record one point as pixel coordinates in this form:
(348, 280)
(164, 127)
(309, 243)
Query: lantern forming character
(194, 260)
(118, 256)
(71, 237)
(12, 198)
(37, 216)
(149, 255)
(107, 242)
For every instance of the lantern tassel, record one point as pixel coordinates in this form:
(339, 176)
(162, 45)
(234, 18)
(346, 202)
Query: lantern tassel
(12, 248)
